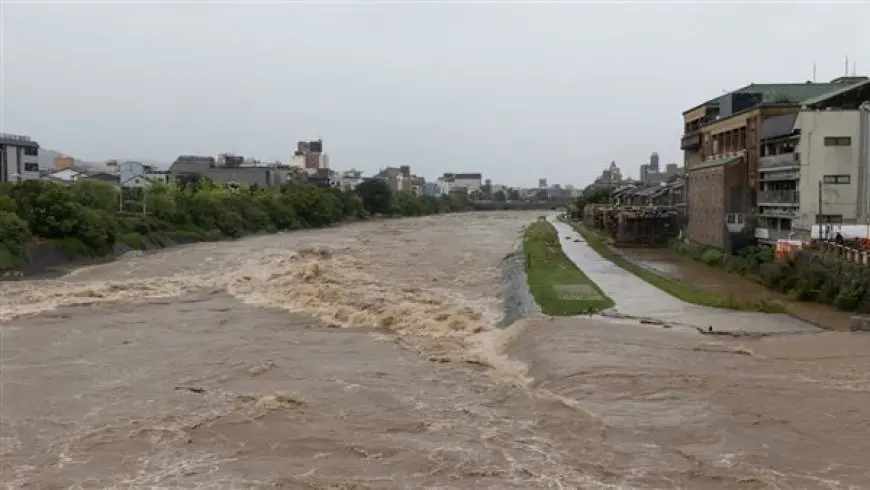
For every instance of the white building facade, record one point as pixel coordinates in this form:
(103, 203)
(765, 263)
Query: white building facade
(449, 182)
(833, 171)
(817, 171)
(19, 158)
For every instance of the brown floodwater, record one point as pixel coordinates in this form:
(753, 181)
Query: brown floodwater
(365, 357)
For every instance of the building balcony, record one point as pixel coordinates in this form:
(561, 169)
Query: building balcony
(778, 198)
(781, 175)
(782, 212)
(691, 141)
(779, 162)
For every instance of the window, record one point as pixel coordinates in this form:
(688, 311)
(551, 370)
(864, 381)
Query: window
(837, 179)
(31, 167)
(31, 151)
(838, 141)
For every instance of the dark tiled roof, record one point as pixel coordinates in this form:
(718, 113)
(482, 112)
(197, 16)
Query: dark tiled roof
(776, 126)
(782, 93)
(841, 89)
(789, 93)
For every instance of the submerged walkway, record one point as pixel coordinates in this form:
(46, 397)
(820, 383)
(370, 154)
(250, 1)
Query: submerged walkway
(636, 297)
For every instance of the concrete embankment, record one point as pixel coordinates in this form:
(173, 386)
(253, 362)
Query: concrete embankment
(517, 300)
(637, 298)
(50, 258)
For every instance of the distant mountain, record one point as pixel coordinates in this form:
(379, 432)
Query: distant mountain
(46, 160)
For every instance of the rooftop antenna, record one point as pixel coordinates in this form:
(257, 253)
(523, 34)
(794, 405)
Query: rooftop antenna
(814, 72)
(847, 66)
(854, 68)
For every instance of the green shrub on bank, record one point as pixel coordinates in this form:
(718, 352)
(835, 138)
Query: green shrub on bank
(806, 276)
(89, 217)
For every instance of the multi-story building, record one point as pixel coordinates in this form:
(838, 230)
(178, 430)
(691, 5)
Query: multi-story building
(611, 177)
(19, 158)
(814, 166)
(722, 144)
(431, 189)
(136, 174)
(350, 179)
(309, 155)
(450, 182)
(63, 162)
(192, 167)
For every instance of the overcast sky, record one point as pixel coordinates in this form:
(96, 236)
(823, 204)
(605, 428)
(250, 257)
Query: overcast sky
(514, 91)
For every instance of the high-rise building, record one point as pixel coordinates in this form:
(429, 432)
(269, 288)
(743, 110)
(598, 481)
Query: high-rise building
(654, 162)
(615, 172)
(542, 183)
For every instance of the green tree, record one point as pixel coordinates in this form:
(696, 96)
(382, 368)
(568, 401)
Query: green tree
(96, 195)
(499, 196)
(14, 236)
(593, 195)
(376, 196)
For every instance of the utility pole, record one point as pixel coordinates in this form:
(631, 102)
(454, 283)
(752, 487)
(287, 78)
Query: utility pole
(819, 214)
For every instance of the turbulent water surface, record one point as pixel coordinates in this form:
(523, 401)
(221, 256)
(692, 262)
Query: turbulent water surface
(366, 356)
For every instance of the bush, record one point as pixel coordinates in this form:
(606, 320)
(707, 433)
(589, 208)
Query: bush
(14, 237)
(807, 276)
(711, 257)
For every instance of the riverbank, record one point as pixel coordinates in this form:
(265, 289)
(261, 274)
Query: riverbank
(715, 280)
(559, 287)
(45, 225)
(672, 286)
(698, 283)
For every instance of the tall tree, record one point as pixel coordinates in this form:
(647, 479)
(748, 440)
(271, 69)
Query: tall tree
(376, 195)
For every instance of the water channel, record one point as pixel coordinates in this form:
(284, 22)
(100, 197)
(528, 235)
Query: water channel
(368, 356)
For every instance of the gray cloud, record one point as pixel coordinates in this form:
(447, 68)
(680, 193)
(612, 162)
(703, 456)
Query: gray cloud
(514, 91)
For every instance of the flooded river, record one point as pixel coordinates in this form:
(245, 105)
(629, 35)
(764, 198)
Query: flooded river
(366, 357)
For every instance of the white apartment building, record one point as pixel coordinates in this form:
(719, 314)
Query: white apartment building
(814, 166)
(350, 179)
(19, 158)
(451, 181)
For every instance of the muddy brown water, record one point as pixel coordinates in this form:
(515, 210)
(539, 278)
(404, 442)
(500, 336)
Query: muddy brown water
(365, 357)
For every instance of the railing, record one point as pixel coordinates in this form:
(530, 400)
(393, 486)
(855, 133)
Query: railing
(690, 140)
(782, 160)
(779, 197)
(14, 137)
(858, 256)
(780, 175)
(779, 213)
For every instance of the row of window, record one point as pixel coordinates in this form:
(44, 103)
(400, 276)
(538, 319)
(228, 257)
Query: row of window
(838, 141)
(31, 167)
(837, 179)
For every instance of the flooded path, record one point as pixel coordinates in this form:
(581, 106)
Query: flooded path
(717, 281)
(365, 357)
(635, 297)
